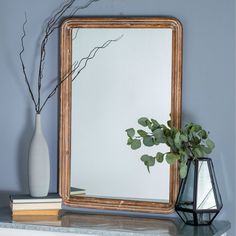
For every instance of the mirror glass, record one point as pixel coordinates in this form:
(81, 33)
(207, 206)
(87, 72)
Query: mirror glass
(205, 192)
(129, 79)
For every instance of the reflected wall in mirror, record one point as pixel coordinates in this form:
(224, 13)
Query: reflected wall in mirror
(121, 84)
(138, 75)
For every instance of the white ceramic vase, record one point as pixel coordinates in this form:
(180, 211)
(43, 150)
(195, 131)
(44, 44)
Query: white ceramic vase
(39, 162)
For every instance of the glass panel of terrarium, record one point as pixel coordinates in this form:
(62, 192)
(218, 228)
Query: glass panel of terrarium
(217, 192)
(186, 196)
(205, 192)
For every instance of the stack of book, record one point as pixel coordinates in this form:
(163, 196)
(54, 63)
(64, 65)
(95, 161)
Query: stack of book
(25, 205)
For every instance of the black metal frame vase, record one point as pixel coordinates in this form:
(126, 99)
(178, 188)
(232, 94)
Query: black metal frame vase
(199, 199)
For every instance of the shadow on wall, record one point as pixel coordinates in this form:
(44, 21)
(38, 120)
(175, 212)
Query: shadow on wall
(4, 195)
(22, 152)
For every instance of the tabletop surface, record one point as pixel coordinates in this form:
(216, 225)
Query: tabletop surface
(97, 224)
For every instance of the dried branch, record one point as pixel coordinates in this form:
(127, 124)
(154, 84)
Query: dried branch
(50, 28)
(23, 65)
(75, 35)
(93, 53)
(76, 66)
(82, 7)
(54, 24)
(58, 15)
(48, 32)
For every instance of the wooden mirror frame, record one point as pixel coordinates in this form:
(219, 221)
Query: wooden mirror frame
(65, 111)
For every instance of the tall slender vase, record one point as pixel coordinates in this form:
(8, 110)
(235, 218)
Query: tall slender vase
(39, 163)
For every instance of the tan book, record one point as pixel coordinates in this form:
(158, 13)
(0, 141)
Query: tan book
(22, 218)
(53, 220)
(35, 213)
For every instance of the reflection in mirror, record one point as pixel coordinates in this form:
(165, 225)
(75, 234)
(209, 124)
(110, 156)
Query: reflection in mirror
(119, 224)
(205, 192)
(129, 79)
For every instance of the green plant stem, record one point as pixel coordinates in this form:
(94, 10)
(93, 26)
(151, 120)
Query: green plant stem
(188, 147)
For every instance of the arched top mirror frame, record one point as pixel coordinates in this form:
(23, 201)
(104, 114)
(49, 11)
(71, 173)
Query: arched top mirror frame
(65, 111)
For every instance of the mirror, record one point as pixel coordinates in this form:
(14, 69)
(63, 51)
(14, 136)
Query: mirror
(138, 75)
(117, 92)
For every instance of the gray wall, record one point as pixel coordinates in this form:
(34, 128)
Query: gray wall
(208, 81)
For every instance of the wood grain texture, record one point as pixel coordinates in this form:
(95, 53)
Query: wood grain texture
(65, 111)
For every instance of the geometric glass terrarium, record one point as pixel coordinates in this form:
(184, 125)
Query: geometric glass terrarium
(199, 199)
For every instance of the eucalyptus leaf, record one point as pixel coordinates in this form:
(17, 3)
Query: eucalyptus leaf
(148, 141)
(169, 123)
(207, 150)
(177, 140)
(155, 125)
(159, 136)
(136, 144)
(184, 138)
(210, 143)
(197, 151)
(202, 134)
(183, 170)
(171, 158)
(170, 142)
(148, 161)
(155, 122)
(130, 140)
(144, 121)
(173, 131)
(195, 140)
(145, 157)
(151, 162)
(130, 132)
(159, 157)
(142, 133)
(183, 157)
(166, 132)
(196, 128)
(163, 126)
(150, 125)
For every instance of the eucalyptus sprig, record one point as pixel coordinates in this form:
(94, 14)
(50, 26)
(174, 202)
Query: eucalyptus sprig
(191, 141)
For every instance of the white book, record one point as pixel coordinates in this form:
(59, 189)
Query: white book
(23, 198)
(36, 206)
